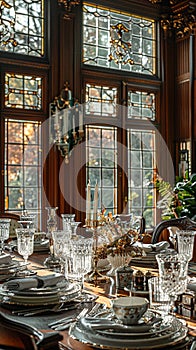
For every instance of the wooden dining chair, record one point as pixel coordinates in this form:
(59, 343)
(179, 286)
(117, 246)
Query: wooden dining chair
(15, 335)
(183, 223)
(13, 223)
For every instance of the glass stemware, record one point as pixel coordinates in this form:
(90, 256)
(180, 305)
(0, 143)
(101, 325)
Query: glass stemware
(51, 261)
(74, 226)
(80, 259)
(25, 244)
(185, 242)
(173, 275)
(4, 232)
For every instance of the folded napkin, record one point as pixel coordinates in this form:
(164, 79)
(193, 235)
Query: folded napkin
(21, 283)
(156, 247)
(5, 259)
(50, 280)
(33, 282)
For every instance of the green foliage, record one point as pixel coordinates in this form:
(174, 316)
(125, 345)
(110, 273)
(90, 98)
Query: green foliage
(178, 201)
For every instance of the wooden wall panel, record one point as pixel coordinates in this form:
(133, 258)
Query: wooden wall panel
(183, 92)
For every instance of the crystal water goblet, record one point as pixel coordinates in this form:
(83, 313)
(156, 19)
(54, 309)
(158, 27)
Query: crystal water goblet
(81, 255)
(185, 242)
(25, 244)
(173, 270)
(4, 232)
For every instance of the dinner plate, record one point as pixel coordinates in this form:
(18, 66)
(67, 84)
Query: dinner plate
(7, 297)
(76, 331)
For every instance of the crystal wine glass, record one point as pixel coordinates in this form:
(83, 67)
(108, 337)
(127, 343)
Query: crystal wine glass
(185, 242)
(81, 254)
(173, 274)
(25, 244)
(4, 232)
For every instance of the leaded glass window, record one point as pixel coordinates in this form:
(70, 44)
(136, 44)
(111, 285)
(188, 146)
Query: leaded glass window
(141, 105)
(101, 168)
(23, 91)
(98, 32)
(23, 166)
(141, 168)
(101, 100)
(28, 27)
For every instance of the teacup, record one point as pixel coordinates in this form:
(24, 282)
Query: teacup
(129, 310)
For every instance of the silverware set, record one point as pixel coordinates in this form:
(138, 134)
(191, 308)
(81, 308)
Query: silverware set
(38, 311)
(65, 322)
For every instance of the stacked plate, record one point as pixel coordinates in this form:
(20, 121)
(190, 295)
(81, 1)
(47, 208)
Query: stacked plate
(109, 334)
(145, 261)
(9, 268)
(61, 292)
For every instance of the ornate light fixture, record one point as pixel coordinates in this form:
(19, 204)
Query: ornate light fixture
(120, 50)
(66, 122)
(7, 24)
(67, 4)
(177, 16)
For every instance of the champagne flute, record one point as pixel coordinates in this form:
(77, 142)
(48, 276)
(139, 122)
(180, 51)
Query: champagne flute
(25, 244)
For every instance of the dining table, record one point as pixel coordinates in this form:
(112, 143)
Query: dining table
(99, 291)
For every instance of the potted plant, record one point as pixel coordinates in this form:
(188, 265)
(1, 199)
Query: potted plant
(178, 201)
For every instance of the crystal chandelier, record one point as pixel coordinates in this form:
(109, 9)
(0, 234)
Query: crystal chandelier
(66, 122)
(7, 24)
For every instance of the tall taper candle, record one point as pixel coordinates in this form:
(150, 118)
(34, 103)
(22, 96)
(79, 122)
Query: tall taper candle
(88, 201)
(95, 204)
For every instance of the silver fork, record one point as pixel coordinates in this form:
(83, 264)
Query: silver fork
(64, 324)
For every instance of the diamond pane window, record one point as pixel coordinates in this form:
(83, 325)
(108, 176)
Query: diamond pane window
(139, 37)
(101, 153)
(101, 100)
(28, 28)
(23, 166)
(141, 167)
(23, 91)
(141, 105)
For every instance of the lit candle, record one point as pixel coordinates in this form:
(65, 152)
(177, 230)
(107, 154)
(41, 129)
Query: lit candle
(80, 120)
(95, 204)
(56, 117)
(65, 122)
(73, 123)
(88, 204)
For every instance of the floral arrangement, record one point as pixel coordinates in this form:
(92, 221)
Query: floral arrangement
(115, 241)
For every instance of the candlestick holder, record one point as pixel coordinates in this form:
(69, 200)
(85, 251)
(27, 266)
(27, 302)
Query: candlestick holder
(95, 275)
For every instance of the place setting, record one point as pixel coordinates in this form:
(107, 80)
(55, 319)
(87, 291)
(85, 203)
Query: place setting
(130, 323)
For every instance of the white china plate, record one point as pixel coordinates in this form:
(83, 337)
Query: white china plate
(62, 286)
(105, 342)
(63, 296)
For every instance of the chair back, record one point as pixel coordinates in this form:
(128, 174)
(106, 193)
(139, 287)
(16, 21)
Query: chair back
(19, 336)
(183, 223)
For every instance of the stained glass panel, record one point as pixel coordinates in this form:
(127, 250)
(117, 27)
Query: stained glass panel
(23, 91)
(101, 100)
(98, 33)
(141, 105)
(28, 29)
